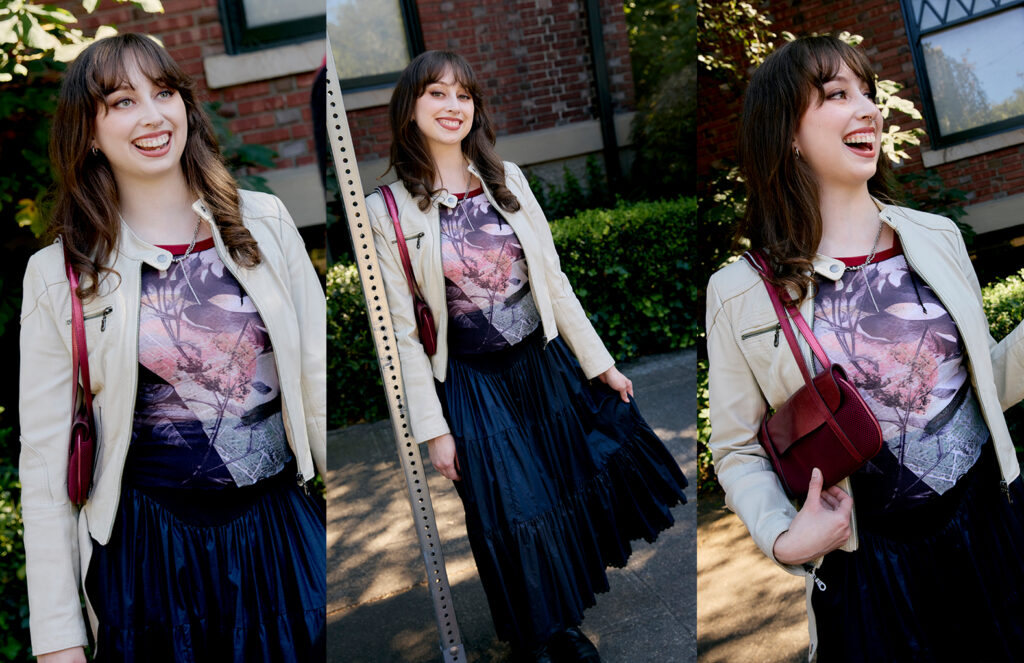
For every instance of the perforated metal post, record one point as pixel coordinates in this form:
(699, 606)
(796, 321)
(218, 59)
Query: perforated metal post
(390, 368)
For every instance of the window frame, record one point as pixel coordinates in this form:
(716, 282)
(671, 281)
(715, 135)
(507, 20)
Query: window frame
(915, 36)
(413, 42)
(240, 38)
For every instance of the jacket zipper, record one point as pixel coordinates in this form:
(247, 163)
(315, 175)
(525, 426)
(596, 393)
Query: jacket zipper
(92, 316)
(418, 236)
(809, 568)
(1004, 488)
(777, 328)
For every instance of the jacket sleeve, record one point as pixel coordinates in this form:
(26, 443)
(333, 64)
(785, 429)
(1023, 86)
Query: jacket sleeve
(570, 318)
(752, 490)
(51, 532)
(1008, 354)
(425, 414)
(311, 308)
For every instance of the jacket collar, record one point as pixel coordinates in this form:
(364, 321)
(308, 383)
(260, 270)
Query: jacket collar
(833, 269)
(134, 247)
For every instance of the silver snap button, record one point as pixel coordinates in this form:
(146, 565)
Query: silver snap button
(162, 258)
(833, 268)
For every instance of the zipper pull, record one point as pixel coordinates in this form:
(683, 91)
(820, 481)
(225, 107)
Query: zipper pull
(418, 238)
(301, 481)
(778, 328)
(809, 568)
(103, 321)
(1005, 488)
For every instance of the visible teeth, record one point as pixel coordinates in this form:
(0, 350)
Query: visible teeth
(451, 124)
(859, 138)
(150, 143)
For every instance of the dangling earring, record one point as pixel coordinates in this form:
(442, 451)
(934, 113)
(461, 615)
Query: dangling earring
(95, 151)
(796, 151)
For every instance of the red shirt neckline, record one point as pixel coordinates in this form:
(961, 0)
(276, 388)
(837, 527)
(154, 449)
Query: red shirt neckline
(856, 261)
(179, 249)
(472, 194)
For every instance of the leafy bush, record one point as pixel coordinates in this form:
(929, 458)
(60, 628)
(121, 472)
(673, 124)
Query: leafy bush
(354, 389)
(13, 598)
(630, 267)
(1004, 308)
(571, 197)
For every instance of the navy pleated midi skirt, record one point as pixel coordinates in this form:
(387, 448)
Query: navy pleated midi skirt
(558, 475)
(944, 583)
(235, 575)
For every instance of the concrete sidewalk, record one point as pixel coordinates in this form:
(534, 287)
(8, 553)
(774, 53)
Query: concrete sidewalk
(378, 607)
(749, 608)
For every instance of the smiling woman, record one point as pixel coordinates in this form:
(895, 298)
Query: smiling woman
(894, 301)
(204, 323)
(517, 398)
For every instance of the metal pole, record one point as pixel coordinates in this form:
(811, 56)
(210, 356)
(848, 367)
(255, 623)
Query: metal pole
(391, 371)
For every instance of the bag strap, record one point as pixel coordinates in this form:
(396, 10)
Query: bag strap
(403, 250)
(79, 350)
(787, 311)
(758, 259)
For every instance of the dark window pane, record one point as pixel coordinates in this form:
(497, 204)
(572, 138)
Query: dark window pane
(259, 13)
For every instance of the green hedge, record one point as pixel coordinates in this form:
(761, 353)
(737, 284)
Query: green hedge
(1003, 301)
(1004, 307)
(13, 597)
(630, 267)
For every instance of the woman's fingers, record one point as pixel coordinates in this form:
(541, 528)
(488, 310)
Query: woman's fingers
(814, 487)
(443, 457)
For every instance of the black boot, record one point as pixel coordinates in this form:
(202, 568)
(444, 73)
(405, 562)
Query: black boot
(571, 646)
(541, 654)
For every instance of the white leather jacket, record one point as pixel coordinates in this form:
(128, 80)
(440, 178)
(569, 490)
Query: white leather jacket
(748, 371)
(58, 537)
(559, 309)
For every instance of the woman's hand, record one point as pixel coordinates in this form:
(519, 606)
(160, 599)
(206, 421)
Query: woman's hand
(442, 456)
(821, 526)
(617, 382)
(72, 655)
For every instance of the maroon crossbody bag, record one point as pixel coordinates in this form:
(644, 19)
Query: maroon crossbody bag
(424, 319)
(826, 423)
(82, 445)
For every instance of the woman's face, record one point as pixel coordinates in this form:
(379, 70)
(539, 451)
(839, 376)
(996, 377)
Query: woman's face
(444, 112)
(840, 138)
(142, 129)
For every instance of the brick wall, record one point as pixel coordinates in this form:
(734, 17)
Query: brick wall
(531, 56)
(274, 113)
(984, 177)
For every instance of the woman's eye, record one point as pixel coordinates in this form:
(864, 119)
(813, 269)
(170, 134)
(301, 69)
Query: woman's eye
(465, 97)
(837, 94)
(123, 103)
(166, 94)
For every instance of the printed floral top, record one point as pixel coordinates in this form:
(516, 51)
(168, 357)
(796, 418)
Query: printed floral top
(208, 407)
(902, 350)
(490, 306)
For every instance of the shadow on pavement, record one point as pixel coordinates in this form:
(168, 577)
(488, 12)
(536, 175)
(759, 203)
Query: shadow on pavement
(749, 608)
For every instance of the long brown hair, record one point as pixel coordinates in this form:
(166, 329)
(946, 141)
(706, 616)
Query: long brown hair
(85, 211)
(783, 214)
(410, 156)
